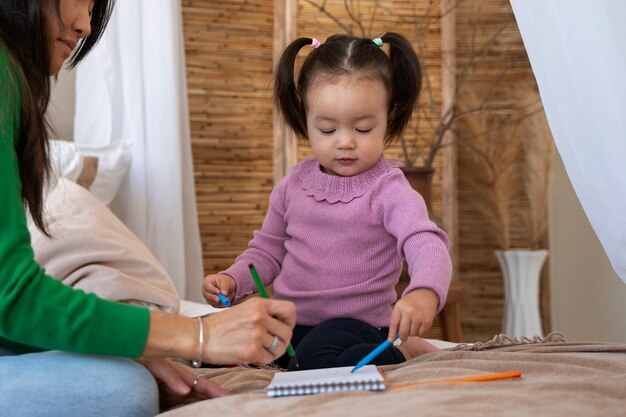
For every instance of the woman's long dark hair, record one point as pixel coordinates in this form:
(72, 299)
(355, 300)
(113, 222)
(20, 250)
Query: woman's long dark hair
(23, 33)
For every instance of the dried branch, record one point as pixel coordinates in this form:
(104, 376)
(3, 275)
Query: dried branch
(354, 18)
(510, 156)
(449, 116)
(538, 148)
(496, 178)
(322, 8)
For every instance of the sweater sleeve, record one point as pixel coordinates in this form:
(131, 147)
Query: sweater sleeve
(421, 242)
(38, 312)
(266, 250)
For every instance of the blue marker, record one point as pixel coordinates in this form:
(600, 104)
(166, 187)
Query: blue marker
(368, 358)
(223, 299)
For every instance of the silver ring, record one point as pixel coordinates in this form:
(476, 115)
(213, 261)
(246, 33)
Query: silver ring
(274, 345)
(195, 381)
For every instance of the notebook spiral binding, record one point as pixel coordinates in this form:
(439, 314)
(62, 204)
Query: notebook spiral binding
(318, 388)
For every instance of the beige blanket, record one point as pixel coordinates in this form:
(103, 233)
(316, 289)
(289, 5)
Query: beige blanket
(558, 379)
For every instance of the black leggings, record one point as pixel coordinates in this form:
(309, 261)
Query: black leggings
(338, 342)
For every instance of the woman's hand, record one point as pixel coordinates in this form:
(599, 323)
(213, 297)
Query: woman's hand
(242, 334)
(413, 314)
(176, 383)
(215, 284)
(237, 335)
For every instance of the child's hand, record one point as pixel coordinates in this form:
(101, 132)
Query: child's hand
(413, 314)
(214, 284)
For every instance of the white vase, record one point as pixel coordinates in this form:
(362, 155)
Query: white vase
(521, 270)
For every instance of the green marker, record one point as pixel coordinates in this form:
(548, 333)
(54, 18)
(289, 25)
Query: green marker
(259, 285)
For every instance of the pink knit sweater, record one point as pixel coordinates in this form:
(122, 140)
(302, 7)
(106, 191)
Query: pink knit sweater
(334, 245)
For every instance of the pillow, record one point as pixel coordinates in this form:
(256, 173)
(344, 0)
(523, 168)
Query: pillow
(91, 249)
(66, 161)
(73, 161)
(88, 174)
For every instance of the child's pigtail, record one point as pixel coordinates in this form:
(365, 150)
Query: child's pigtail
(286, 97)
(406, 78)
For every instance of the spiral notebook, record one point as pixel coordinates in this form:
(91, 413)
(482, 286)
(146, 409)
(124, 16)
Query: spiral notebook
(315, 381)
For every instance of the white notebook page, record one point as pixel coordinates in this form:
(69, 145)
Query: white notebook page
(326, 380)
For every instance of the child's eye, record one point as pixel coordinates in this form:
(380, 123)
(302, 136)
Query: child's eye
(327, 132)
(363, 130)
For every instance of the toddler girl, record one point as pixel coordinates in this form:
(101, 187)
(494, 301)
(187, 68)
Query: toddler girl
(340, 224)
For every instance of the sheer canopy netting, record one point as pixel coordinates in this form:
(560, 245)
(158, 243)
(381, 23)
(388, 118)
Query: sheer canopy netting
(577, 51)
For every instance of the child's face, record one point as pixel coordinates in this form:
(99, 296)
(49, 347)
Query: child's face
(63, 35)
(346, 123)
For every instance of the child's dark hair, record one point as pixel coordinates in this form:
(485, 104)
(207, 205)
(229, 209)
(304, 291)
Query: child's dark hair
(400, 72)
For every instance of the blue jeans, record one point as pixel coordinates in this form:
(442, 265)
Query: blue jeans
(338, 342)
(66, 384)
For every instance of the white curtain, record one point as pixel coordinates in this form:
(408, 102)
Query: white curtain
(577, 50)
(132, 87)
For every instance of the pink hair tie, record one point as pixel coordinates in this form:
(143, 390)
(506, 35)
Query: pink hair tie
(315, 43)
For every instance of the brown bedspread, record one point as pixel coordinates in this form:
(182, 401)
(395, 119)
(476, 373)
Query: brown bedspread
(559, 378)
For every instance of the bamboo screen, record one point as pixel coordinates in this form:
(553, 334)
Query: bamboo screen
(229, 64)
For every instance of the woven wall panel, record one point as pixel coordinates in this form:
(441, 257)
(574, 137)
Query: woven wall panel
(229, 63)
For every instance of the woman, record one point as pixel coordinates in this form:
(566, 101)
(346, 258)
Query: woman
(62, 351)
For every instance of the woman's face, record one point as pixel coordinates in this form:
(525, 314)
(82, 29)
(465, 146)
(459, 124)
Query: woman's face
(65, 28)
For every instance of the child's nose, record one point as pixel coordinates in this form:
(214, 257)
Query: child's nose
(346, 141)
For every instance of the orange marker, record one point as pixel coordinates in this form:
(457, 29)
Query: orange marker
(477, 378)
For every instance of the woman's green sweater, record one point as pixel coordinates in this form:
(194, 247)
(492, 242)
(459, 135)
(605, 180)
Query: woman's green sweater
(38, 312)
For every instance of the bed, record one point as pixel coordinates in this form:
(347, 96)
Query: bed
(96, 252)
(559, 378)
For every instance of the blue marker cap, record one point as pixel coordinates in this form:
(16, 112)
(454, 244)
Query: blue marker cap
(223, 299)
